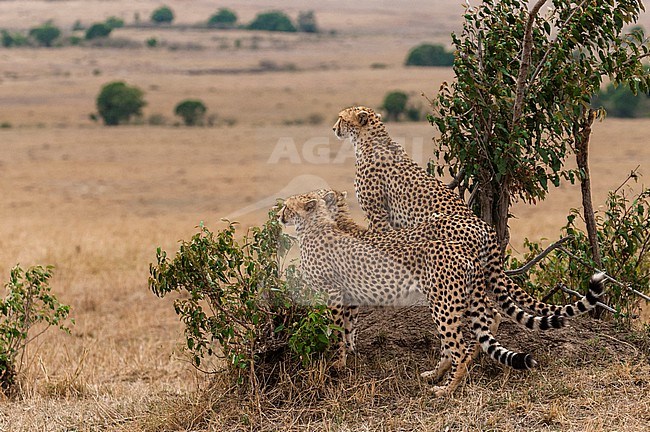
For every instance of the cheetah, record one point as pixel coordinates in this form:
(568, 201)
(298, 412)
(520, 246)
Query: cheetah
(395, 192)
(454, 228)
(354, 272)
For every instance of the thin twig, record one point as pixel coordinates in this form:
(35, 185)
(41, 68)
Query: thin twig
(523, 269)
(608, 277)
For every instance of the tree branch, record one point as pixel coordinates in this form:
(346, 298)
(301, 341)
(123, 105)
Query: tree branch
(457, 179)
(582, 134)
(524, 66)
(523, 269)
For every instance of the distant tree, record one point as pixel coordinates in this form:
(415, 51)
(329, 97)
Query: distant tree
(429, 55)
(162, 15)
(620, 101)
(117, 103)
(307, 22)
(115, 22)
(223, 18)
(191, 110)
(272, 21)
(98, 30)
(395, 104)
(6, 39)
(46, 34)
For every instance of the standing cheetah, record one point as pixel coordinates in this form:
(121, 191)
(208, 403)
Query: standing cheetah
(395, 193)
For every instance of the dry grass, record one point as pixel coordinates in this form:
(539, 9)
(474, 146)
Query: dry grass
(96, 202)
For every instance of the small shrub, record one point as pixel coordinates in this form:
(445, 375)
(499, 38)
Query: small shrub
(5, 125)
(307, 22)
(46, 34)
(152, 42)
(98, 30)
(28, 302)
(192, 111)
(239, 303)
(78, 26)
(429, 55)
(272, 21)
(157, 120)
(75, 40)
(624, 239)
(162, 15)
(117, 103)
(223, 18)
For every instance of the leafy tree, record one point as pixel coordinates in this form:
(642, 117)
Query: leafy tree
(192, 111)
(115, 22)
(46, 34)
(520, 102)
(395, 104)
(272, 21)
(117, 103)
(28, 303)
(429, 55)
(307, 22)
(162, 15)
(223, 18)
(98, 30)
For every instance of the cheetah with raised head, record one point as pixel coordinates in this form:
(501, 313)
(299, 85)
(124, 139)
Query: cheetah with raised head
(354, 272)
(395, 193)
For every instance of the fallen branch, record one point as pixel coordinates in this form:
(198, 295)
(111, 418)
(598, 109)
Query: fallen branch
(523, 269)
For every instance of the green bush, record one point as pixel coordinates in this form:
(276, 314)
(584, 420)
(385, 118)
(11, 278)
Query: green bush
(46, 34)
(162, 15)
(115, 22)
(238, 303)
(272, 21)
(223, 18)
(192, 111)
(117, 103)
(429, 55)
(624, 240)
(307, 22)
(98, 30)
(620, 101)
(395, 104)
(28, 302)
(152, 42)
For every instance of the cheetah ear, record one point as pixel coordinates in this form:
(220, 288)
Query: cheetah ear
(329, 197)
(344, 194)
(310, 205)
(378, 116)
(362, 117)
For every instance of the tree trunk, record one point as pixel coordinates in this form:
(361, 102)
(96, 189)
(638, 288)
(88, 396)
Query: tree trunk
(494, 207)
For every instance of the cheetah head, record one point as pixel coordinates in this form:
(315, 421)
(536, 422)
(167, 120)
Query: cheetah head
(352, 121)
(335, 201)
(298, 208)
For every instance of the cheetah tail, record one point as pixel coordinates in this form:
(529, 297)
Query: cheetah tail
(585, 304)
(525, 319)
(494, 349)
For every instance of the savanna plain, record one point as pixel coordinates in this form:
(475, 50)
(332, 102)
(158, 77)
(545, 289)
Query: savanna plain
(96, 202)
